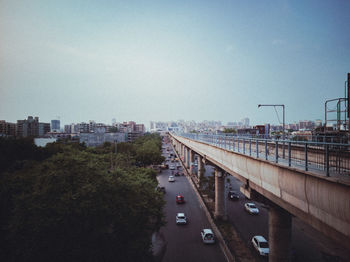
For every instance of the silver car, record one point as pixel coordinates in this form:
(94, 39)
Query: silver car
(207, 236)
(251, 208)
(261, 245)
(181, 219)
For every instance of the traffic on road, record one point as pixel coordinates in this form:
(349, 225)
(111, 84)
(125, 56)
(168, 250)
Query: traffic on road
(188, 234)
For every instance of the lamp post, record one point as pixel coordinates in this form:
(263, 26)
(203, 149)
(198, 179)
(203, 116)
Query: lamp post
(283, 134)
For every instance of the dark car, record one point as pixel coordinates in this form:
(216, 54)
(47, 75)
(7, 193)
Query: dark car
(177, 174)
(233, 195)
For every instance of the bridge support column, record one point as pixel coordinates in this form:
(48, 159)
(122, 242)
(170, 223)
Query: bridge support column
(200, 168)
(191, 162)
(280, 231)
(219, 194)
(186, 155)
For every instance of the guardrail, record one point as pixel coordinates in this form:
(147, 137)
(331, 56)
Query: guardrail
(325, 158)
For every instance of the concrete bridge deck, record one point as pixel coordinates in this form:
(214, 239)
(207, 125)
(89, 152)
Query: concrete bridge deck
(319, 200)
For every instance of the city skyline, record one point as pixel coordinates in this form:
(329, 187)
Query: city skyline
(87, 60)
(245, 122)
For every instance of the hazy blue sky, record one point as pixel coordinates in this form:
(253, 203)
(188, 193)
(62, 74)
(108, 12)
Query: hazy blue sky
(168, 60)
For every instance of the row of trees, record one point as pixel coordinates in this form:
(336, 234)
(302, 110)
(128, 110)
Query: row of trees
(66, 202)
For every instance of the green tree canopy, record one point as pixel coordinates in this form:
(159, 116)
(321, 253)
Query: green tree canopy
(229, 131)
(74, 207)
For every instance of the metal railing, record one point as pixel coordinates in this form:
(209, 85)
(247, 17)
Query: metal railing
(323, 158)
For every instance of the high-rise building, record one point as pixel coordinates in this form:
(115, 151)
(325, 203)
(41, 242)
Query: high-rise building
(31, 127)
(44, 128)
(55, 125)
(28, 127)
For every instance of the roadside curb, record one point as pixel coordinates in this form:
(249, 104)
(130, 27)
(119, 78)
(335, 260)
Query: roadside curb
(223, 246)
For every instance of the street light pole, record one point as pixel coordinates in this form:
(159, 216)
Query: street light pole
(283, 133)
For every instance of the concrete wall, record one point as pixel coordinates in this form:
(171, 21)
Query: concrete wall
(323, 202)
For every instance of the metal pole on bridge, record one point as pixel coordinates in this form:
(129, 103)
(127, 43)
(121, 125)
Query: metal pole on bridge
(284, 123)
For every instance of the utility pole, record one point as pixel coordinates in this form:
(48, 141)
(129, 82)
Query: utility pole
(283, 133)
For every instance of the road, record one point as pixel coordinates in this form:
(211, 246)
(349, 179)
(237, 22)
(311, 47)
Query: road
(307, 243)
(184, 242)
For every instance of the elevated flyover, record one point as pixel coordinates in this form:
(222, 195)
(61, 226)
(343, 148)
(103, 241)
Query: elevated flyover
(320, 199)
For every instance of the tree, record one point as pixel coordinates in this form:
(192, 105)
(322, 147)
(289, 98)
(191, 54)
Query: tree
(229, 131)
(71, 207)
(148, 153)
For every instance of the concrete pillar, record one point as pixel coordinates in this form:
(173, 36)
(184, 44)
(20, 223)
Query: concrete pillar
(219, 194)
(191, 162)
(280, 231)
(187, 158)
(200, 168)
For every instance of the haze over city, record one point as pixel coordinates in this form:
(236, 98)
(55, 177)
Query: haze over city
(170, 60)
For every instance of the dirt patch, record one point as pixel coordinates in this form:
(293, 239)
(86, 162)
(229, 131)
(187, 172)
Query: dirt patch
(234, 242)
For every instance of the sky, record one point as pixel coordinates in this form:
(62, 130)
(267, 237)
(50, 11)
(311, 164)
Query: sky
(147, 61)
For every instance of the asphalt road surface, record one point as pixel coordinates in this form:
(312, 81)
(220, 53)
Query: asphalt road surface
(184, 242)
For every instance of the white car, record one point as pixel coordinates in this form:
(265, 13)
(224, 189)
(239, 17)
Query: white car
(261, 245)
(171, 179)
(181, 219)
(208, 236)
(251, 208)
(172, 167)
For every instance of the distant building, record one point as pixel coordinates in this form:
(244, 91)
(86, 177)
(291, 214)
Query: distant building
(306, 125)
(83, 127)
(31, 127)
(97, 139)
(7, 129)
(44, 128)
(245, 122)
(55, 125)
(140, 128)
(68, 129)
(318, 122)
(293, 126)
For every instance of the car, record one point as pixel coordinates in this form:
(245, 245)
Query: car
(261, 245)
(208, 236)
(180, 199)
(251, 208)
(181, 219)
(233, 195)
(172, 167)
(171, 179)
(177, 174)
